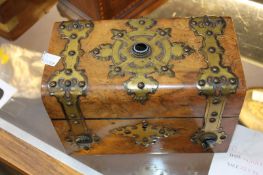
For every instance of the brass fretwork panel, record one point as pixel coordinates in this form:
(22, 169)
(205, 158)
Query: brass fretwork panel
(144, 134)
(139, 53)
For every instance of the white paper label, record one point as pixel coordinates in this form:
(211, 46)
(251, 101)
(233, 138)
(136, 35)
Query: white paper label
(244, 157)
(257, 95)
(50, 59)
(6, 92)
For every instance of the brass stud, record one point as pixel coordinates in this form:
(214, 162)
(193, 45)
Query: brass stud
(187, 48)
(75, 26)
(117, 69)
(209, 33)
(68, 71)
(52, 84)
(232, 81)
(88, 25)
(162, 33)
(215, 69)
(212, 120)
(86, 147)
(72, 115)
(73, 36)
(194, 23)
(201, 82)
(222, 137)
(200, 93)
(96, 51)
(67, 95)
(216, 101)
(76, 122)
(62, 26)
(96, 138)
(154, 137)
(127, 131)
(162, 131)
(216, 80)
(67, 83)
(142, 22)
(72, 52)
(120, 34)
(69, 103)
(220, 22)
(119, 129)
(207, 23)
(141, 85)
(144, 124)
(214, 114)
(211, 49)
(82, 83)
(164, 68)
(84, 139)
(145, 139)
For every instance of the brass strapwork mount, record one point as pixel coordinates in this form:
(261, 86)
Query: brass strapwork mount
(215, 82)
(68, 84)
(144, 133)
(139, 53)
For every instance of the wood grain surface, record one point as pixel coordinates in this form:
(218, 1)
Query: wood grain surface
(30, 14)
(175, 97)
(28, 159)
(118, 9)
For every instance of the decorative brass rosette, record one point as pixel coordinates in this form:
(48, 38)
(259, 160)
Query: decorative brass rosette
(139, 53)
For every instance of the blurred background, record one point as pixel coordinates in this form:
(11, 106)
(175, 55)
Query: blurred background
(25, 28)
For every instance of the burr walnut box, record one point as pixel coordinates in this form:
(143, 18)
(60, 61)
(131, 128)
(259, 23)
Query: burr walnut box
(144, 85)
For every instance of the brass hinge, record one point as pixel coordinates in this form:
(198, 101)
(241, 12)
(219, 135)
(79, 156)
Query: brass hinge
(68, 84)
(215, 81)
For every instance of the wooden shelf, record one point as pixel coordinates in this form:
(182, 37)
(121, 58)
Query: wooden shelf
(29, 160)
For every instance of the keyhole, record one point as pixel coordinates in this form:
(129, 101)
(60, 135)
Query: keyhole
(140, 50)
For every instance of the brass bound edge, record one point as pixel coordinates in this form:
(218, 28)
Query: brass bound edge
(140, 52)
(215, 81)
(68, 84)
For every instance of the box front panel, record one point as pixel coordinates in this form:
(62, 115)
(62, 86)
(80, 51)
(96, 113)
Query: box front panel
(144, 136)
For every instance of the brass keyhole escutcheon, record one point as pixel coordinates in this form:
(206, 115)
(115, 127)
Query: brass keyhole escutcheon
(141, 50)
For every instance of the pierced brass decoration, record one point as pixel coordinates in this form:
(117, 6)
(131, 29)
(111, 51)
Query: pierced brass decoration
(68, 84)
(215, 81)
(139, 53)
(144, 134)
